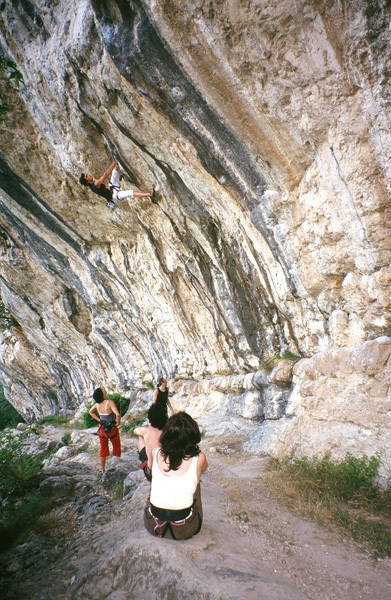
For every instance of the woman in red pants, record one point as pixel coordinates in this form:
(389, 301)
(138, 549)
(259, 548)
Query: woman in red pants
(108, 417)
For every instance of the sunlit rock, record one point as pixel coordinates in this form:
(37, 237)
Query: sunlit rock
(265, 131)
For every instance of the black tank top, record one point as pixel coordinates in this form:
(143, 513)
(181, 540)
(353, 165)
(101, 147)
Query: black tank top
(102, 191)
(162, 397)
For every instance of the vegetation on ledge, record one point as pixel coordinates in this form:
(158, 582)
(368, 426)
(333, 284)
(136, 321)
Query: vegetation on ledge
(22, 505)
(9, 417)
(345, 494)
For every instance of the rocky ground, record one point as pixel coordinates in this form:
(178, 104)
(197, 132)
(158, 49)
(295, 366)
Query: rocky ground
(250, 547)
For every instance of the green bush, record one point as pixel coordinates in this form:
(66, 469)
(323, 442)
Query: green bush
(135, 421)
(66, 439)
(18, 470)
(21, 502)
(87, 421)
(9, 417)
(121, 403)
(22, 518)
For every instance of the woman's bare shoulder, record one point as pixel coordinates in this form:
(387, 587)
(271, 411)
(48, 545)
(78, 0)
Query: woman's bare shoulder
(202, 462)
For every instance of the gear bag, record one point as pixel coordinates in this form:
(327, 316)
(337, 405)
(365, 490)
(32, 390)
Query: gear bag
(107, 426)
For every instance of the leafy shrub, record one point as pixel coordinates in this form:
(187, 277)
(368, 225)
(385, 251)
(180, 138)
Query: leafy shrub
(66, 438)
(121, 403)
(22, 518)
(86, 421)
(9, 417)
(21, 502)
(17, 469)
(135, 421)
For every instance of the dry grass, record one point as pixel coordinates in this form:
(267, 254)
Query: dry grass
(343, 495)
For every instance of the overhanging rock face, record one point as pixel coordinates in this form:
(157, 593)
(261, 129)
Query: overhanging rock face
(265, 131)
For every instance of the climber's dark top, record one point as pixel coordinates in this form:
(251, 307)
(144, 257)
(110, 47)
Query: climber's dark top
(102, 190)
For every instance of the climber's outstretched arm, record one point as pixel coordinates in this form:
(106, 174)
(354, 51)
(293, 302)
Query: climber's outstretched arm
(101, 179)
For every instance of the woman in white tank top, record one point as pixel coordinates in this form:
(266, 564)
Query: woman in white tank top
(175, 508)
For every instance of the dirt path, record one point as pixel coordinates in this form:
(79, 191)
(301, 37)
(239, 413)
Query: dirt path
(250, 546)
(319, 562)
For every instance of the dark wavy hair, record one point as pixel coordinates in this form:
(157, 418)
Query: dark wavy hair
(83, 180)
(157, 416)
(98, 395)
(159, 383)
(179, 440)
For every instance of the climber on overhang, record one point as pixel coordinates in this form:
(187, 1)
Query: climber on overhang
(112, 191)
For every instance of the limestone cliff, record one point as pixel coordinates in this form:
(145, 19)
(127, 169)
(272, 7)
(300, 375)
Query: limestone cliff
(264, 128)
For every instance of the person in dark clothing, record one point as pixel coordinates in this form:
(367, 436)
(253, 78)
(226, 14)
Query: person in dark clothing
(160, 395)
(112, 191)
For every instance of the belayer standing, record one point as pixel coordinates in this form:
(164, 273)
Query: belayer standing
(112, 191)
(108, 417)
(160, 395)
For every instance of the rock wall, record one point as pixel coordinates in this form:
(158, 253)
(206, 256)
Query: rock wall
(339, 403)
(335, 402)
(265, 130)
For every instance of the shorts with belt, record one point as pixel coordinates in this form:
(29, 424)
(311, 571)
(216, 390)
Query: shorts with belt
(179, 524)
